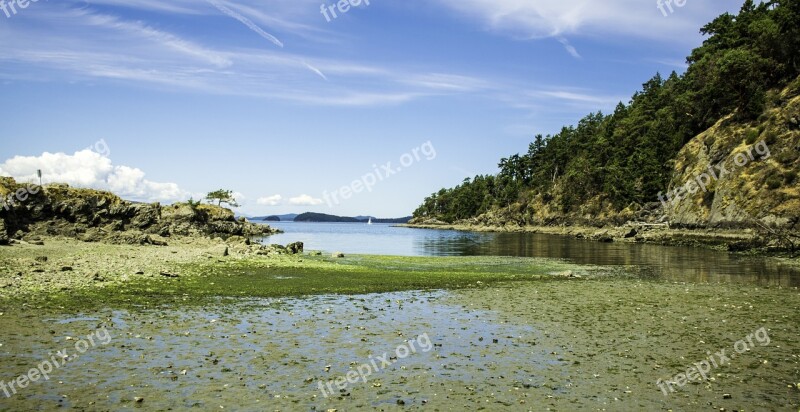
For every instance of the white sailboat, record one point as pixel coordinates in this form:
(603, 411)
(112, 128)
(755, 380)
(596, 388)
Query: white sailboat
(370, 221)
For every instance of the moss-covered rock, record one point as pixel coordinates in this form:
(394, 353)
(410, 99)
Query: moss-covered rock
(94, 216)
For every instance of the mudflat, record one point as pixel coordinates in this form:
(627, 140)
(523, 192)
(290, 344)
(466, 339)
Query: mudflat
(190, 328)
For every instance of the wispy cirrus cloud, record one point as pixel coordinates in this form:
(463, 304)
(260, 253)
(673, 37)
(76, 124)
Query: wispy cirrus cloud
(91, 45)
(569, 48)
(247, 22)
(537, 19)
(80, 43)
(288, 17)
(140, 30)
(448, 82)
(575, 97)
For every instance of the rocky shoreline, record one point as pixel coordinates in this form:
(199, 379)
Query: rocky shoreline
(733, 240)
(96, 216)
(57, 264)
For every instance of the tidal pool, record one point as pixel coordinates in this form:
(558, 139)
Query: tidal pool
(559, 345)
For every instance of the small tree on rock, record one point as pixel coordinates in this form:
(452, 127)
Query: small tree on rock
(222, 196)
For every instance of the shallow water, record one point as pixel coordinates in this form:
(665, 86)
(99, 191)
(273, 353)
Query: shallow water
(666, 262)
(562, 345)
(596, 343)
(269, 351)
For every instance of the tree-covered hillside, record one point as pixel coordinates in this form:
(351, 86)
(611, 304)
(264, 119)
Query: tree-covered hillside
(615, 160)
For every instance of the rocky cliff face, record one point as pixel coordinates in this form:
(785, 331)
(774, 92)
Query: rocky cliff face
(28, 212)
(740, 175)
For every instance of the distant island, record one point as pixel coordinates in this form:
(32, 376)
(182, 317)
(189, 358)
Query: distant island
(275, 218)
(323, 218)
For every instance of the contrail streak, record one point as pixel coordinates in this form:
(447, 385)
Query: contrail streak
(316, 70)
(246, 22)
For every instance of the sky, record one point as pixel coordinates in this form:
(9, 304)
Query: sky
(312, 105)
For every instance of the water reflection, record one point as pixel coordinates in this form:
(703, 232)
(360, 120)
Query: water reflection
(665, 262)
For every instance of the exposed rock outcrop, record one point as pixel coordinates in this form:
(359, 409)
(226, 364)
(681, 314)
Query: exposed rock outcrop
(95, 216)
(750, 173)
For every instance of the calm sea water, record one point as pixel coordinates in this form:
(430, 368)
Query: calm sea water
(669, 262)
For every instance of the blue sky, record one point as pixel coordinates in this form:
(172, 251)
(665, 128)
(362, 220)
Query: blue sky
(162, 100)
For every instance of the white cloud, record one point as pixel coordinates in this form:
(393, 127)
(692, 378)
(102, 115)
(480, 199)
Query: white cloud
(89, 45)
(305, 200)
(579, 97)
(448, 82)
(569, 48)
(273, 200)
(91, 170)
(536, 19)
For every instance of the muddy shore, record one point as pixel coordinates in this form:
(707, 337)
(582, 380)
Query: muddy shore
(551, 345)
(235, 331)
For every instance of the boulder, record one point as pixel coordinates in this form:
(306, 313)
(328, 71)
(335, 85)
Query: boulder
(603, 236)
(115, 226)
(132, 237)
(3, 233)
(236, 240)
(178, 213)
(94, 235)
(295, 248)
(145, 215)
(279, 249)
(227, 228)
